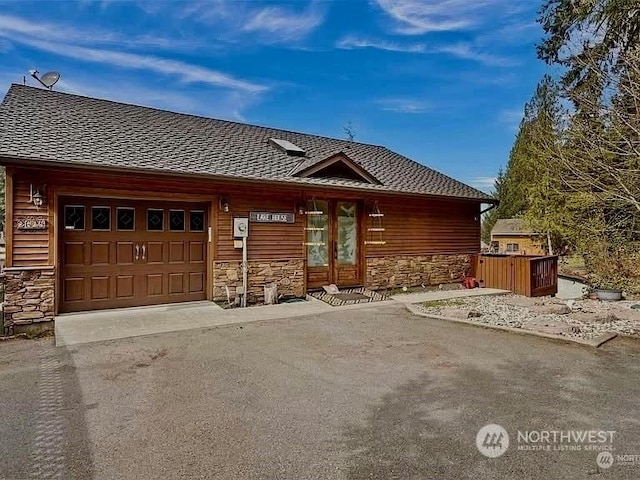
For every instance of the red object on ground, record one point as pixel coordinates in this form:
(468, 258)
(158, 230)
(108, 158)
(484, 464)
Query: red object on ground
(470, 282)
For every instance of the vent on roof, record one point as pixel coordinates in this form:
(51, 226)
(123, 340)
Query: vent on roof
(288, 147)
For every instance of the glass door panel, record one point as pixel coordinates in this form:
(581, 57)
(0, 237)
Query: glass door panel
(347, 241)
(317, 233)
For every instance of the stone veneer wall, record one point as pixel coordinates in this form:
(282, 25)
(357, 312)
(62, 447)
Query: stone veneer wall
(413, 270)
(288, 274)
(29, 298)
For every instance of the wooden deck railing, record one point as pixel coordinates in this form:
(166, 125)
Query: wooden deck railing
(532, 276)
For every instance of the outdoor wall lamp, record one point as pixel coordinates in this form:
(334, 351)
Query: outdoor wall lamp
(35, 197)
(223, 204)
(301, 208)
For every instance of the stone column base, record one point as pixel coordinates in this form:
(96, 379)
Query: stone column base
(29, 299)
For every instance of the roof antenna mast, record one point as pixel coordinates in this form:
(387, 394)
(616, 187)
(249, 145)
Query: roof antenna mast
(48, 80)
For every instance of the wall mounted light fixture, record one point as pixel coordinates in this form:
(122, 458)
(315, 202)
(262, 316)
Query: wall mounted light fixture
(223, 204)
(301, 208)
(35, 196)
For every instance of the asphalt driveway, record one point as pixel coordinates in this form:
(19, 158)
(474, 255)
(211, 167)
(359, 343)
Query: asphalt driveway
(368, 393)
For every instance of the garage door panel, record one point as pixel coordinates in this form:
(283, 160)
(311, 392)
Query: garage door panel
(124, 286)
(176, 283)
(154, 284)
(99, 288)
(196, 252)
(176, 252)
(155, 251)
(125, 253)
(99, 253)
(73, 289)
(196, 282)
(74, 253)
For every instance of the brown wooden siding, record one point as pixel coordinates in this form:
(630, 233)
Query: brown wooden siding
(29, 248)
(424, 226)
(266, 240)
(413, 225)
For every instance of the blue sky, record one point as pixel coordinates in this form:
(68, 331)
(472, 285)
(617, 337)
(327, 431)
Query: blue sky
(441, 81)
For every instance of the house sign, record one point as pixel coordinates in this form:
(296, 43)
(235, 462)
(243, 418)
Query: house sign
(31, 222)
(272, 217)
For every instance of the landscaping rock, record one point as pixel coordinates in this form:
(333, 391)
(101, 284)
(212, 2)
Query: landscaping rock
(518, 301)
(586, 319)
(546, 326)
(551, 309)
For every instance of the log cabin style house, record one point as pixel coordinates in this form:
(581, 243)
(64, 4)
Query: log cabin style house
(113, 205)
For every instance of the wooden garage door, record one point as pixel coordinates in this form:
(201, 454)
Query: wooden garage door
(119, 253)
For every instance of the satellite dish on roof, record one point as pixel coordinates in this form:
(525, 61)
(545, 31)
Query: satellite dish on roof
(48, 80)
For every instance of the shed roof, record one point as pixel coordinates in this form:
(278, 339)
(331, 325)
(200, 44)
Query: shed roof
(49, 126)
(511, 226)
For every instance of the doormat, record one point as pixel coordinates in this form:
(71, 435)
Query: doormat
(349, 296)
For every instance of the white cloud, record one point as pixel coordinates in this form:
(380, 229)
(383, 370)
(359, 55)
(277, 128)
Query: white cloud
(417, 17)
(185, 72)
(511, 117)
(467, 52)
(228, 104)
(283, 24)
(272, 24)
(403, 105)
(485, 184)
(352, 42)
(460, 50)
(11, 26)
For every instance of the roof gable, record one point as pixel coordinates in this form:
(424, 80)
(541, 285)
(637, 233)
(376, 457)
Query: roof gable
(338, 166)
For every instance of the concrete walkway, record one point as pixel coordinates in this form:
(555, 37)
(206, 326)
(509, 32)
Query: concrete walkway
(98, 326)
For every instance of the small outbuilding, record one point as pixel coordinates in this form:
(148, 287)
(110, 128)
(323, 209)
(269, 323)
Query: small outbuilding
(113, 205)
(512, 236)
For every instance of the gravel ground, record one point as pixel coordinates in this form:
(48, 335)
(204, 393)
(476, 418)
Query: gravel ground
(585, 319)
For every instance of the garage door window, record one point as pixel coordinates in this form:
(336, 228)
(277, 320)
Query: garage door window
(126, 219)
(155, 220)
(176, 220)
(74, 217)
(101, 218)
(196, 221)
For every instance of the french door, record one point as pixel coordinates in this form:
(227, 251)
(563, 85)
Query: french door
(333, 243)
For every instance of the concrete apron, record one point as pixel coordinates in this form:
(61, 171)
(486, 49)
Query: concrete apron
(98, 326)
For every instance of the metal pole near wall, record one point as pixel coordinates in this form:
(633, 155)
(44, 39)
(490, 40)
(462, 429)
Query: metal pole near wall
(245, 271)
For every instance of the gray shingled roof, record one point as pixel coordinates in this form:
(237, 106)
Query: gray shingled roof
(511, 226)
(41, 125)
